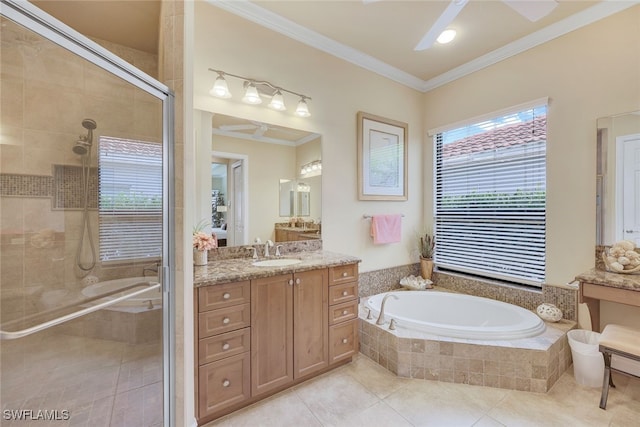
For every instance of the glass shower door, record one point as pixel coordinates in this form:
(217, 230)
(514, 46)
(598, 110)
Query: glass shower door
(84, 235)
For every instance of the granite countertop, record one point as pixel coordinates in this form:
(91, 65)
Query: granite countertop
(611, 280)
(237, 269)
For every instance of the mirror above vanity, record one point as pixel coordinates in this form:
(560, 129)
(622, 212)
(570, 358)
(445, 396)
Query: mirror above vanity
(266, 181)
(617, 192)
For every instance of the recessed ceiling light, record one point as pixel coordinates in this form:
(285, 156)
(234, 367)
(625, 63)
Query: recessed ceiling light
(446, 36)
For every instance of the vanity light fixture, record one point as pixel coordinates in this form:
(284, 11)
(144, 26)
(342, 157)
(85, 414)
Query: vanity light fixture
(255, 90)
(277, 102)
(220, 88)
(251, 96)
(311, 169)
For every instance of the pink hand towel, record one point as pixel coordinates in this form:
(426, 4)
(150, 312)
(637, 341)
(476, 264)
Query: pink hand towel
(386, 229)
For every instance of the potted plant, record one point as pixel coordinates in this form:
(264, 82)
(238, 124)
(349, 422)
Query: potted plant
(427, 244)
(202, 243)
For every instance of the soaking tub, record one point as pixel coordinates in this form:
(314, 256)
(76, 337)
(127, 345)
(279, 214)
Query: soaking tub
(457, 315)
(149, 299)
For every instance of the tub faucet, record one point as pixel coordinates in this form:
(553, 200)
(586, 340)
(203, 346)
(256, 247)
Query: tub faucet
(380, 320)
(153, 268)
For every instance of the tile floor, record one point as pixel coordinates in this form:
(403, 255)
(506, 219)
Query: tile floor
(100, 382)
(363, 393)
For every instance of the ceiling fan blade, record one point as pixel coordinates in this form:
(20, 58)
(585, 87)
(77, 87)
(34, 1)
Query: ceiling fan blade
(532, 10)
(441, 24)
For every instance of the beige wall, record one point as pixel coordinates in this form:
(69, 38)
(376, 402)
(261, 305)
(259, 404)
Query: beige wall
(339, 90)
(589, 73)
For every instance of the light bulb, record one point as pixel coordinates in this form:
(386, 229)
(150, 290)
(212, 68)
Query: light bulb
(252, 96)
(277, 102)
(303, 109)
(220, 88)
(446, 36)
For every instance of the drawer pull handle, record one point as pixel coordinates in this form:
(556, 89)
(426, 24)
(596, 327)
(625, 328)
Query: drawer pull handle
(345, 274)
(344, 340)
(225, 346)
(226, 383)
(345, 312)
(226, 320)
(290, 282)
(297, 281)
(226, 295)
(345, 293)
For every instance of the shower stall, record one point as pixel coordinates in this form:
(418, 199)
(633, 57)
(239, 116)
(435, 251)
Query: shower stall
(85, 229)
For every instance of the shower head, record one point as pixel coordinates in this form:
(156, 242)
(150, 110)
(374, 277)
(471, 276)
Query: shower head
(89, 124)
(83, 144)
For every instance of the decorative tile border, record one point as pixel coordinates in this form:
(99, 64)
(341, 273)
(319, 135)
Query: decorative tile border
(16, 185)
(68, 187)
(64, 187)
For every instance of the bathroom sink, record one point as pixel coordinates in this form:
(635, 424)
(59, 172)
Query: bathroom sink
(279, 262)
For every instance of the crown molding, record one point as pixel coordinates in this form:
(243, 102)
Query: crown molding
(560, 28)
(275, 22)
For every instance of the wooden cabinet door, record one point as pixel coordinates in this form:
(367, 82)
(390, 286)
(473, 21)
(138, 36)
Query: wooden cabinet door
(222, 384)
(310, 301)
(271, 333)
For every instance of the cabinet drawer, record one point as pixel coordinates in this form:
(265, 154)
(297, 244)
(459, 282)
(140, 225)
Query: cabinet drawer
(343, 341)
(343, 273)
(223, 383)
(224, 320)
(343, 312)
(224, 345)
(226, 295)
(343, 293)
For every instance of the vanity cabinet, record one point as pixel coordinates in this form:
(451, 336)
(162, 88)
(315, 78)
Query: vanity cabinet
(257, 337)
(289, 321)
(223, 346)
(343, 312)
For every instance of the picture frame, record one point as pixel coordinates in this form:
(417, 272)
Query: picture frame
(382, 158)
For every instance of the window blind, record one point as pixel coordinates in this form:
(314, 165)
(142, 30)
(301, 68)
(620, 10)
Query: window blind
(130, 199)
(490, 207)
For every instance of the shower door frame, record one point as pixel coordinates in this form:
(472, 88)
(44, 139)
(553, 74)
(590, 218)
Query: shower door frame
(36, 20)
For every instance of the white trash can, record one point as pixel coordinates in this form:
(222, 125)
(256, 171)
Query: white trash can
(588, 363)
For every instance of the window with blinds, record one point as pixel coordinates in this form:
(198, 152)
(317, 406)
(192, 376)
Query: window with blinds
(130, 199)
(490, 197)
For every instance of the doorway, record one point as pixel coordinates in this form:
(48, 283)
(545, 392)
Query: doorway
(628, 173)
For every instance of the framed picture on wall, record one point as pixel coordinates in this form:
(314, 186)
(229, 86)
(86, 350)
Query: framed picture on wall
(382, 158)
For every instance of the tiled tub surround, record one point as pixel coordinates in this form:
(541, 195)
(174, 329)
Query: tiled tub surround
(565, 298)
(529, 364)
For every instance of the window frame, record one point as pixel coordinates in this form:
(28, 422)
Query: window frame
(468, 214)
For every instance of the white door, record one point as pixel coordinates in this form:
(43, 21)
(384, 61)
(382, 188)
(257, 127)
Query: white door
(238, 203)
(631, 188)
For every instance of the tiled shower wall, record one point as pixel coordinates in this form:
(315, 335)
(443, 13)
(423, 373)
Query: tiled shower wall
(378, 281)
(46, 93)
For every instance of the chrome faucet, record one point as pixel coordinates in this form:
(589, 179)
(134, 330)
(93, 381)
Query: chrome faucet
(267, 244)
(278, 254)
(255, 252)
(380, 320)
